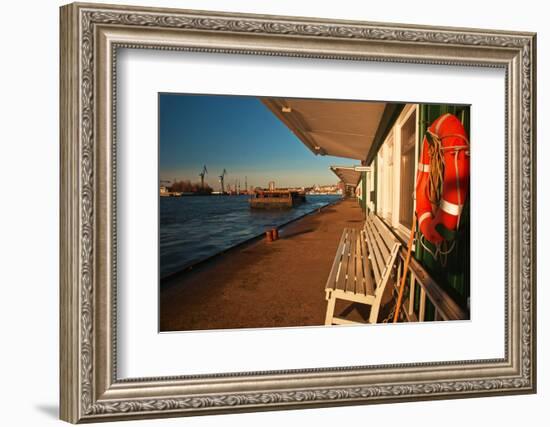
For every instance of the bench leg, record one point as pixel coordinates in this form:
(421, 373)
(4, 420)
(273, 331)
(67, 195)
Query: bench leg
(330, 309)
(374, 309)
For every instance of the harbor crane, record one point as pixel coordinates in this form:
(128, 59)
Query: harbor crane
(204, 172)
(222, 176)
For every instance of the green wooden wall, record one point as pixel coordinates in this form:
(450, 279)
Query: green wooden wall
(454, 275)
(363, 201)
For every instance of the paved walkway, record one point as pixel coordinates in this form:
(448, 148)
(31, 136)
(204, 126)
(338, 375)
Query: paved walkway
(262, 284)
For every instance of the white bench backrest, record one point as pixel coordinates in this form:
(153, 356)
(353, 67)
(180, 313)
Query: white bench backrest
(383, 246)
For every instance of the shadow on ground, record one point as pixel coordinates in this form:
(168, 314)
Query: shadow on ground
(296, 233)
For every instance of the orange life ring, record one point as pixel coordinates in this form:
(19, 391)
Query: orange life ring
(455, 150)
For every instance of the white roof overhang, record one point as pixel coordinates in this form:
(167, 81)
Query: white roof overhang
(330, 127)
(349, 175)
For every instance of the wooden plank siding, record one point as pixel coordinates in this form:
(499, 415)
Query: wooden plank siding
(449, 297)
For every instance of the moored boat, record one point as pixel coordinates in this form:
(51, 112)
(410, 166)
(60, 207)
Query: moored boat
(276, 199)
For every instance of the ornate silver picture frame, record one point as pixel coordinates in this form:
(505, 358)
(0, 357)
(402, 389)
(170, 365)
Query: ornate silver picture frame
(91, 35)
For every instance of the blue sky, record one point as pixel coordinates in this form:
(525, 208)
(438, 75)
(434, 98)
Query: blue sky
(239, 134)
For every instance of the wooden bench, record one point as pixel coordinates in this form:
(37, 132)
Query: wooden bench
(361, 269)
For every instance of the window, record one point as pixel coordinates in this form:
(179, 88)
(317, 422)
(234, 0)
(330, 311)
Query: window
(388, 178)
(396, 172)
(407, 164)
(379, 182)
(370, 187)
(385, 179)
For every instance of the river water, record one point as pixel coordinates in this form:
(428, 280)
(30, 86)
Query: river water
(193, 228)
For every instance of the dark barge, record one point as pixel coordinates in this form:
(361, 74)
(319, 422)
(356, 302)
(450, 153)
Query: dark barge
(276, 199)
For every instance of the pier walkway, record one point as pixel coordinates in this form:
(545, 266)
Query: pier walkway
(262, 284)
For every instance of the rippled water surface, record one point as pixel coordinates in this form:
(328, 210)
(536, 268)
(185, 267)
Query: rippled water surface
(193, 228)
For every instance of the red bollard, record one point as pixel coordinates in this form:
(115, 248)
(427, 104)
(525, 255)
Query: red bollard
(274, 234)
(269, 236)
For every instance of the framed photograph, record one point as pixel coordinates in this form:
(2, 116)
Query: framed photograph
(265, 212)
